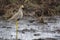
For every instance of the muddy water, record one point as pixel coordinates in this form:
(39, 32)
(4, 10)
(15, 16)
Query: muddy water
(31, 30)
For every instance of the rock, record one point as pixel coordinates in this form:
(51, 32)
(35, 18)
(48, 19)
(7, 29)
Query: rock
(19, 39)
(38, 39)
(31, 21)
(15, 39)
(3, 26)
(36, 34)
(58, 30)
(28, 30)
(1, 38)
(6, 39)
(50, 39)
(8, 27)
(33, 30)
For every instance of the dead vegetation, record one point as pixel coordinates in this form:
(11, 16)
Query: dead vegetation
(37, 8)
(8, 8)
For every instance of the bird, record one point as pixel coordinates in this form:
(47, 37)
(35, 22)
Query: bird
(17, 15)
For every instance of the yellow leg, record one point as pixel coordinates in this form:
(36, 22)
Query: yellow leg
(16, 30)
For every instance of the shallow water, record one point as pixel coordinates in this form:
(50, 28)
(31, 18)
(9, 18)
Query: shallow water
(30, 31)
